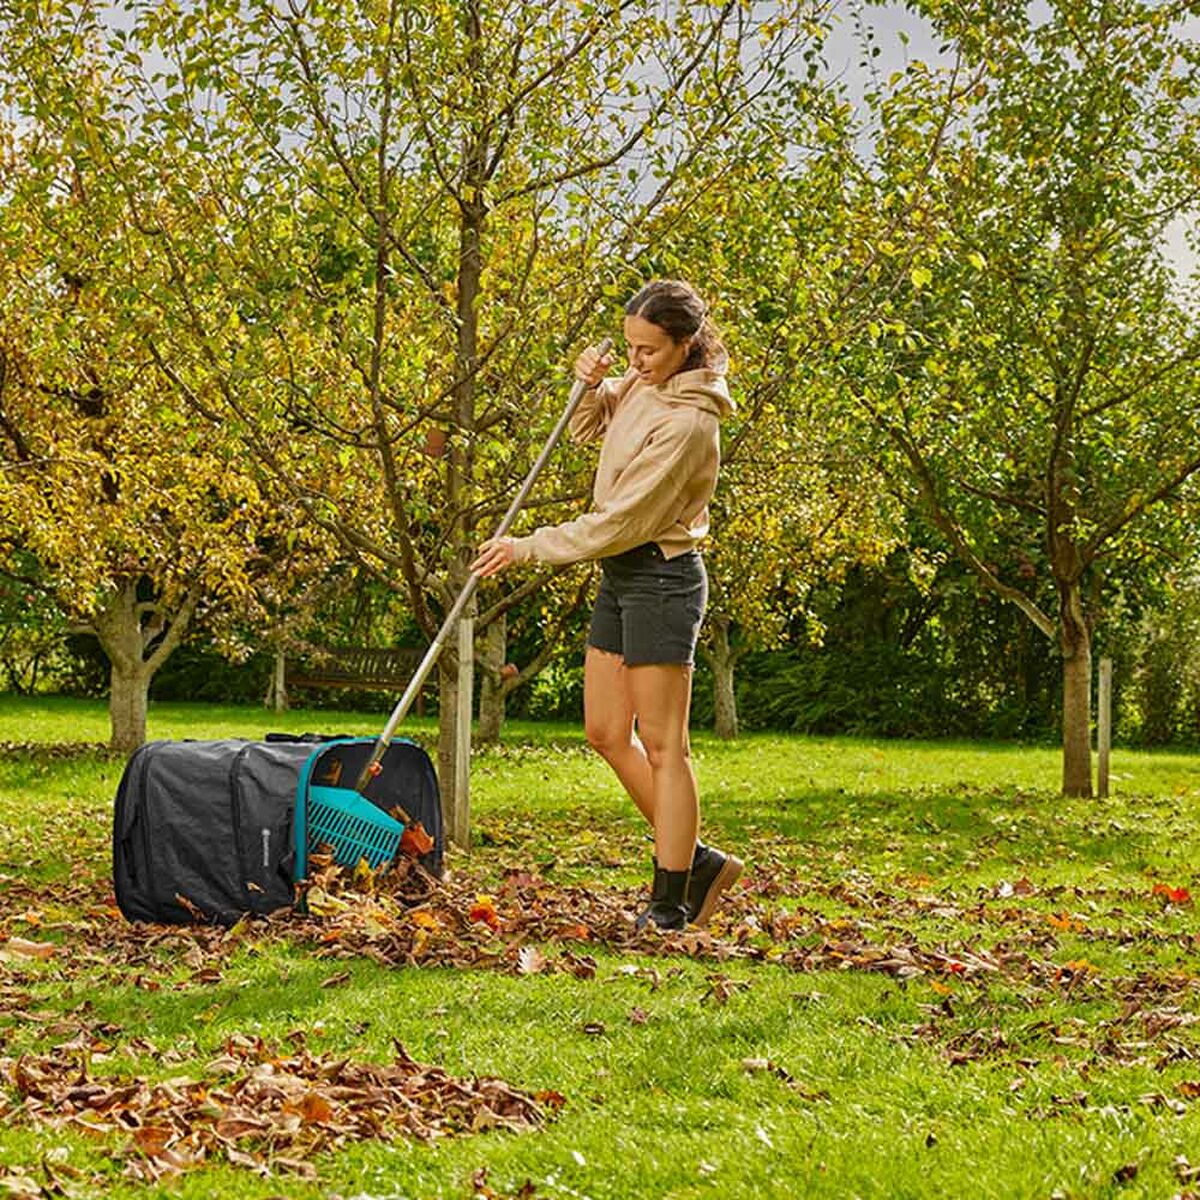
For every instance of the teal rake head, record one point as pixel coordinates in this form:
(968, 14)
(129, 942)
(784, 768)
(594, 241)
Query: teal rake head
(352, 826)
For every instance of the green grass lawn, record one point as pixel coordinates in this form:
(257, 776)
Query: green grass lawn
(939, 979)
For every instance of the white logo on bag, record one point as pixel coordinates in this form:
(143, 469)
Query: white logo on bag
(266, 836)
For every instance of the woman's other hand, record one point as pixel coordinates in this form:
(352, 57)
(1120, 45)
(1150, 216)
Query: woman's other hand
(591, 366)
(494, 555)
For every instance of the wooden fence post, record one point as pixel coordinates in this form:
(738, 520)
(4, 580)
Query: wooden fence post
(460, 831)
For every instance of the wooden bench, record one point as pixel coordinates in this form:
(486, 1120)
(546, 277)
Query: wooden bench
(364, 667)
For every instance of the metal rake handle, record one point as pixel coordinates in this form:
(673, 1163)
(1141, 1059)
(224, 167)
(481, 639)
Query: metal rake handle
(371, 769)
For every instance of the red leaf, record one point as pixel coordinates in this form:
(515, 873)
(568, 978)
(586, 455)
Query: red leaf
(1172, 895)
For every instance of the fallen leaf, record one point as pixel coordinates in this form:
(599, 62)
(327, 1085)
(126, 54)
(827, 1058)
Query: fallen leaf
(27, 949)
(1077, 968)
(414, 841)
(530, 960)
(314, 1109)
(1184, 1171)
(153, 1139)
(1065, 922)
(296, 1166)
(322, 904)
(484, 910)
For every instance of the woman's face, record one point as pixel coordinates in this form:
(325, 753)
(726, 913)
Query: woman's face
(652, 352)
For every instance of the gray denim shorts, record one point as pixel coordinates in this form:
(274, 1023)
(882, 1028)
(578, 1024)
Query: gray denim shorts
(649, 608)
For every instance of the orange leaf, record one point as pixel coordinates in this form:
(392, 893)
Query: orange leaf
(1077, 966)
(314, 1109)
(484, 909)
(1065, 922)
(415, 841)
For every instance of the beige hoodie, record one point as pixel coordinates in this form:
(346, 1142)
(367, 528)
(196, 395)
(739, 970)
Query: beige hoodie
(658, 466)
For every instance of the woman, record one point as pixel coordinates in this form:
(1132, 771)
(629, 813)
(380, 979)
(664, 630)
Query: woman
(658, 465)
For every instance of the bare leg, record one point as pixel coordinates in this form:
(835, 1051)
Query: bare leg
(608, 715)
(661, 697)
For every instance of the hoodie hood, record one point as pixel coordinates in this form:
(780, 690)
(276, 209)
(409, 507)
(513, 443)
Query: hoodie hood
(658, 466)
(702, 388)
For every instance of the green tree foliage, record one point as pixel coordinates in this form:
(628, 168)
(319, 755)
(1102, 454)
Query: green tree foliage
(908, 648)
(32, 629)
(1035, 377)
(1159, 660)
(135, 516)
(384, 232)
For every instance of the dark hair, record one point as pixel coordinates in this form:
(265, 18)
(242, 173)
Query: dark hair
(676, 308)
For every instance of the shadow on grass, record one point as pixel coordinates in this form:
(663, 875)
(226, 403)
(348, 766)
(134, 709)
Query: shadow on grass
(964, 824)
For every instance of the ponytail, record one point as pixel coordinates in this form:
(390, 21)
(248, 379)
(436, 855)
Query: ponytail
(707, 349)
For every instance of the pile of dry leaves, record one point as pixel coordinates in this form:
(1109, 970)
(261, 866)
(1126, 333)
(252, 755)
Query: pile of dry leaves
(262, 1108)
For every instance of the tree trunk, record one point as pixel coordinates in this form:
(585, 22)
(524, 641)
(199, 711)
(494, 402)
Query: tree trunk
(722, 660)
(1076, 642)
(460, 468)
(127, 629)
(277, 698)
(128, 699)
(491, 683)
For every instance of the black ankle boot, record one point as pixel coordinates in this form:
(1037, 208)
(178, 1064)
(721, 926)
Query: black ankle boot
(712, 872)
(666, 908)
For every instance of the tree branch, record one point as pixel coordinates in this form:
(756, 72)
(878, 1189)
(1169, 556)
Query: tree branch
(1136, 507)
(950, 528)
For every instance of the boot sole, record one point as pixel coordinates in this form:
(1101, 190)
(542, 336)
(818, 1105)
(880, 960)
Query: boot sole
(727, 876)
